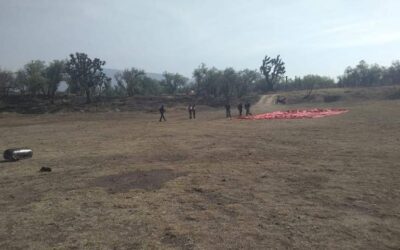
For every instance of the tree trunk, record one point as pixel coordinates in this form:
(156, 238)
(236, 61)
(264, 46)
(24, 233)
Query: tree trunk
(309, 91)
(270, 86)
(88, 100)
(52, 97)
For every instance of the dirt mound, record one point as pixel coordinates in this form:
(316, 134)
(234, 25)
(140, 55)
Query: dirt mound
(147, 180)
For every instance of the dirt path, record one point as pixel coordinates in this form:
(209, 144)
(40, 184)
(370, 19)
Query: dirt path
(265, 102)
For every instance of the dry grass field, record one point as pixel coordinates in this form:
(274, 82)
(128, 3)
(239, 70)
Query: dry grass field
(123, 180)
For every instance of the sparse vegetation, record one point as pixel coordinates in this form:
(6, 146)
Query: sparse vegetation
(7, 82)
(307, 82)
(200, 170)
(199, 125)
(173, 83)
(370, 75)
(210, 85)
(273, 69)
(122, 180)
(225, 85)
(86, 75)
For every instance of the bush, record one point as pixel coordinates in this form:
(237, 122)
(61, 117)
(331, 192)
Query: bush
(394, 95)
(331, 98)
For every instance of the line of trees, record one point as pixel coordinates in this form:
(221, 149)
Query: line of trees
(225, 84)
(307, 82)
(85, 76)
(364, 74)
(36, 78)
(133, 82)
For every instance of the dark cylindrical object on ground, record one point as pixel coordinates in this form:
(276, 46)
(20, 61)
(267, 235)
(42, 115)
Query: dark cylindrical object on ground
(15, 154)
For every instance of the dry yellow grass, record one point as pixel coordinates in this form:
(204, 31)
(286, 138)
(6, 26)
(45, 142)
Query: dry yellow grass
(330, 183)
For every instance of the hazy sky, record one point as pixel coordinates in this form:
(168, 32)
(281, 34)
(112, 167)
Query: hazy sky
(321, 37)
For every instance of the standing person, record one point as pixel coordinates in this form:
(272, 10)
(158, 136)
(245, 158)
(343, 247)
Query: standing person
(190, 109)
(228, 110)
(194, 111)
(240, 108)
(162, 111)
(247, 107)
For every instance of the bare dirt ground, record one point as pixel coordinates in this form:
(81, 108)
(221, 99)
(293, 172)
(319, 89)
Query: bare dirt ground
(126, 181)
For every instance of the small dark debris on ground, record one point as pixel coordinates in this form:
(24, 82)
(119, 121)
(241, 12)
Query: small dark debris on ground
(45, 169)
(199, 190)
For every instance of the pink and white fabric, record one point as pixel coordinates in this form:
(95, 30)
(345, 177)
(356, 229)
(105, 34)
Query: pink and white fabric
(296, 114)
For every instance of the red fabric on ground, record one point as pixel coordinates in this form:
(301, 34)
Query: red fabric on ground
(296, 114)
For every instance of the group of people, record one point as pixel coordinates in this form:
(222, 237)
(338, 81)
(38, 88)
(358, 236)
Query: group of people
(240, 109)
(192, 110)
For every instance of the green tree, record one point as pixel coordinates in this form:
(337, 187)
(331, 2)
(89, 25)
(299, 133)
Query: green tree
(86, 74)
(228, 82)
(272, 69)
(55, 73)
(151, 86)
(308, 82)
(311, 82)
(200, 75)
(35, 80)
(248, 79)
(393, 73)
(213, 83)
(206, 81)
(172, 83)
(6, 82)
(131, 81)
(316, 81)
(21, 80)
(362, 75)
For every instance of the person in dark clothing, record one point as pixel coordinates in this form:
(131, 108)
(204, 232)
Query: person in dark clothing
(228, 110)
(190, 109)
(162, 111)
(194, 111)
(240, 108)
(247, 108)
